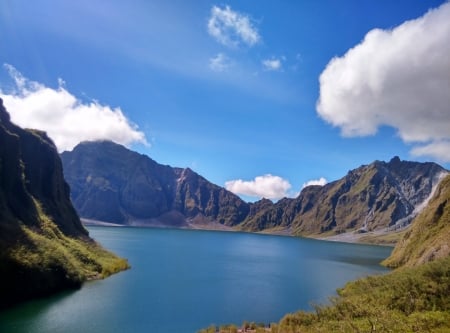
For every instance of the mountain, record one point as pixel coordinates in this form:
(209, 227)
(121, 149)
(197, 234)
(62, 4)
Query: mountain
(44, 247)
(113, 184)
(371, 197)
(428, 238)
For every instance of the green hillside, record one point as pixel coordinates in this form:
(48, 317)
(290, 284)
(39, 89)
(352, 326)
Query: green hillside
(429, 237)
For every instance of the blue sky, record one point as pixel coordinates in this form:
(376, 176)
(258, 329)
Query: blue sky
(260, 96)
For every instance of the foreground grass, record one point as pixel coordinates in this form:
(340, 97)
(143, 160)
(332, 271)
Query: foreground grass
(406, 300)
(42, 260)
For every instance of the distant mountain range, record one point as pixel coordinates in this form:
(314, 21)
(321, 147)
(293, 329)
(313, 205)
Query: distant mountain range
(113, 184)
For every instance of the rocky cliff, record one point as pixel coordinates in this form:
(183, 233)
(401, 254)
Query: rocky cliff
(111, 183)
(428, 239)
(43, 246)
(371, 197)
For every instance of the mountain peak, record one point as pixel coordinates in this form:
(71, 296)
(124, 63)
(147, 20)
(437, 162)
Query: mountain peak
(395, 160)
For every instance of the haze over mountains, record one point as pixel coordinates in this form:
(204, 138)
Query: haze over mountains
(113, 184)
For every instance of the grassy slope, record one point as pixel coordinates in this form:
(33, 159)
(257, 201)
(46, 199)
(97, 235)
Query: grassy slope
(43, 260)
(406, 300)
(413, 298)
(429, 236)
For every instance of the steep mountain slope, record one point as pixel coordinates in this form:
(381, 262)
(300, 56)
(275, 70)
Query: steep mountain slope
(429, 236)
(368, 198)
(43, 246)
(113, 184)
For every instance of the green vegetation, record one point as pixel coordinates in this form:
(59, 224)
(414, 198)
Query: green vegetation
(43, 260)
(429, 236)
(82, 259)
(390, 238)
(406, 300)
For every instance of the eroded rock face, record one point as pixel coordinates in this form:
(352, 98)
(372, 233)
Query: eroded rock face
(368, 198)
(31, 168)
(113, 184)
(428, 238)
(31, 186)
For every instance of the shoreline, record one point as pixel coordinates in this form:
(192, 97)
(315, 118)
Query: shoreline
(377, 237)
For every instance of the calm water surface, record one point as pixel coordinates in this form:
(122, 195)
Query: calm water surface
(184, 280)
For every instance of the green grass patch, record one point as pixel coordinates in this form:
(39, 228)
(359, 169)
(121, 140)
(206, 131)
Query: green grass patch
(406, 300)
(41, 260)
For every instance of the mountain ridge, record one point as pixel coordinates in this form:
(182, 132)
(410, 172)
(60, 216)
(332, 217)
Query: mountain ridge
(111, 183)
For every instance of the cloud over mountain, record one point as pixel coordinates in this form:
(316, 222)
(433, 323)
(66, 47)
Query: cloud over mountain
(321, 181)
(267, 186)
(66, 119)
(398, 78)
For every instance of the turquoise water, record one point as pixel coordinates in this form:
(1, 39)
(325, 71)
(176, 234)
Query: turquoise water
(183, 280)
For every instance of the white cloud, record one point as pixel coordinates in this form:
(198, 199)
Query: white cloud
(321, 181)
(65, 118)
(232, 28)
(398, 78)
(272, 64)
(219, 63)
(267, 186)
(439, 150)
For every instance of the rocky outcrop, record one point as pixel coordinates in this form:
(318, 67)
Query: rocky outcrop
(30, 169)
(44, 247)
(113, 184)
(428, 239)
(371, 197)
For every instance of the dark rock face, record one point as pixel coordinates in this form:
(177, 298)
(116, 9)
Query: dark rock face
(31, 168)
(113, 184)
(31, 172)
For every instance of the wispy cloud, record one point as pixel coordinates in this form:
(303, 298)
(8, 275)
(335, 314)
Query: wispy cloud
(220, 63)
(272, 64)
(232, 28)
(66, 119)
(321, 182)
(267, 186)
(399, 78)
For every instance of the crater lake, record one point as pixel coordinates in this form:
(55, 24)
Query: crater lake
(185, 280)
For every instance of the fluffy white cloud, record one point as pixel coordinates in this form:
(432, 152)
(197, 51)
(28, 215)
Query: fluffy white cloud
(398, 78)
(272, 64)
(65, 118)
(321, 181)
(219, 63)
(232, 28)
(267, 186)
